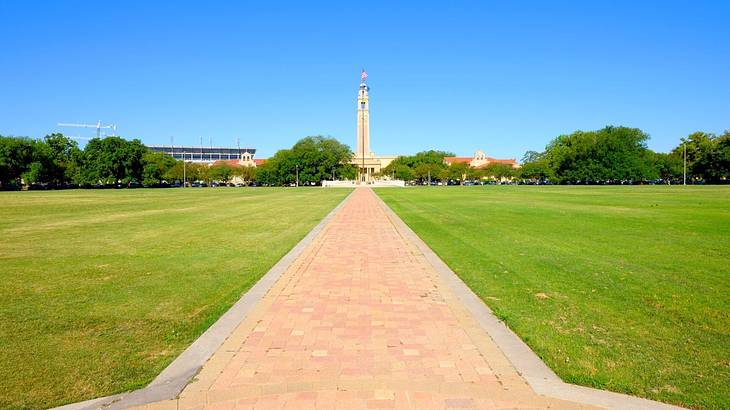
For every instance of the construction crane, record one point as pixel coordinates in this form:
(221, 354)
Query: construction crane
(98, 127)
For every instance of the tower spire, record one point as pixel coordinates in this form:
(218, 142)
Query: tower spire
(363, 128)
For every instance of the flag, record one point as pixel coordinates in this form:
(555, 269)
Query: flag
(364, 75)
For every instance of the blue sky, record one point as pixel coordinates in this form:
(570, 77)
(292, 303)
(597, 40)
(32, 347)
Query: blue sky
(503, 76)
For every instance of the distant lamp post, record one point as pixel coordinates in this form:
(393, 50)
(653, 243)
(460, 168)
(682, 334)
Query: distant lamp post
(684, 144)
(297, 168)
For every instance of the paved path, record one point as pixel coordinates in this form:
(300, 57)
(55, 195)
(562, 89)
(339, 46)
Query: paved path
(360, 320)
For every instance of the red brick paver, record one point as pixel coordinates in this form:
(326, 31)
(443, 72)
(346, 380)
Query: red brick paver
(360, 320)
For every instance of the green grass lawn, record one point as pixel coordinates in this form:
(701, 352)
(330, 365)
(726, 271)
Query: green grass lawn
(103, 289)
(620, 288)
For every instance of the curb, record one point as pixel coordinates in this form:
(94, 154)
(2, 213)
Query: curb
(173, 379)
(537, 374)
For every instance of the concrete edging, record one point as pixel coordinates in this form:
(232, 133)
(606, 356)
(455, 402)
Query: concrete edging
(537, 374)
(173, 379)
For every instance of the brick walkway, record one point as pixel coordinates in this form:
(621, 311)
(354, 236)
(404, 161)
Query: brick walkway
(360, 320)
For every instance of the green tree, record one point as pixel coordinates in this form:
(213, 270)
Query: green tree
(399, 171)
(41, 168)
(63, 155)
(474, 174)
(222, 173)
(201, 172)
(668, 166)
(35, 173)
(426, 170)
(499, 171)
(458, 171)
(266, 174)
(111, 160)
(16, 155)
(708, 156)
(443, 175)
(157, 167)
(722, 156)
(432, 157)
(247, 174)
(609, 154)
(176, 172)
(312, 158)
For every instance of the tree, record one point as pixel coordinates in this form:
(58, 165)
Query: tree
(535, 167)
(247, 174)
(41, 168)
(532, 156)
(499, 171)
(426, 171)
(722, 156)
(266, 174)
(473, 174)
(708, 156)
(412, 162)
(443, 175)
(668, 166)
(111, 160)
(35, 173)
(417, 166)
(313, 159)
(63, 155)
(157, 167)
(176, 172)
(200, 172)
(609, 154)
(221, 173)
(399, 171)
(16, 155)
(458, 171)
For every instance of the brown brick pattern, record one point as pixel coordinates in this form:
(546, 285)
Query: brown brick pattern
(360, 320)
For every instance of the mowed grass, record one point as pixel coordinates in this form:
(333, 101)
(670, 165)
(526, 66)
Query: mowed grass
(103, 289)
(620, 288)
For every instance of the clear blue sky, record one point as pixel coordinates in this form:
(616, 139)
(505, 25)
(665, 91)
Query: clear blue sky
(503, 76)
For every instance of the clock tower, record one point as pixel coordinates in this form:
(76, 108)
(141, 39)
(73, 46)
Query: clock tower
(369, 165)
(363, 120)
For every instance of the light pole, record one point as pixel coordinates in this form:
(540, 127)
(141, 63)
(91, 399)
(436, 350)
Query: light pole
(429, 177)
(185, 177)
(297, 168)
(684, 144)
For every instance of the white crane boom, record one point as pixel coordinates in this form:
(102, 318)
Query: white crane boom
(98, 126)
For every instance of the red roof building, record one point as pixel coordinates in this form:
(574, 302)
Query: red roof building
(480, 160)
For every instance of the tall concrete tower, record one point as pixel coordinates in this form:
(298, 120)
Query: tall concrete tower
(363, 119)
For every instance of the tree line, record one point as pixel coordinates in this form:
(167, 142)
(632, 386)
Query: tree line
(430, 165)
(620, 155)
(609, 155)
(56, 161)
(309, 162)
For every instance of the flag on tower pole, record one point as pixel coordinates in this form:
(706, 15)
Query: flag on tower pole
(364, 75)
